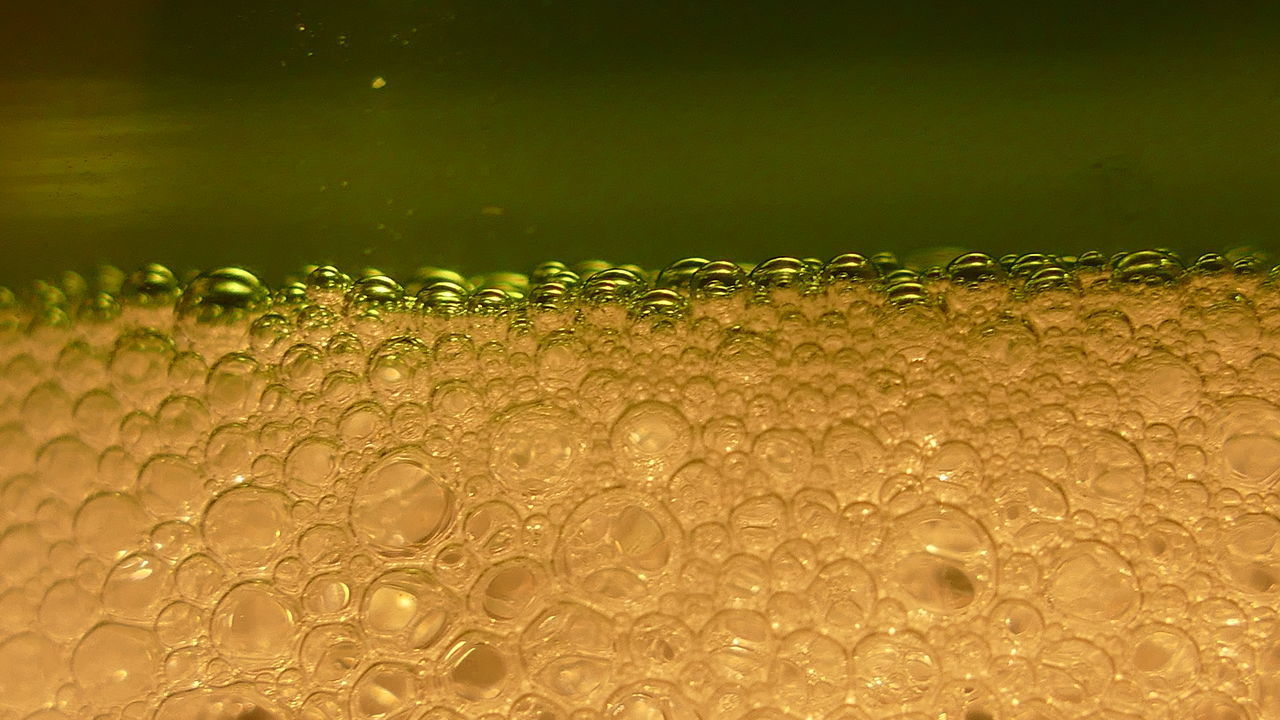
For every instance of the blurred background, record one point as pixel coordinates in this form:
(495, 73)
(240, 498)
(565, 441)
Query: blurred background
(493, 134)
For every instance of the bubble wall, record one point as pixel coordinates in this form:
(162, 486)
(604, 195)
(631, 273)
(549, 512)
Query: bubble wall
(1030, 488)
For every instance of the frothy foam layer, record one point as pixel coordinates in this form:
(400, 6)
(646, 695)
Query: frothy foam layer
(1040, 487)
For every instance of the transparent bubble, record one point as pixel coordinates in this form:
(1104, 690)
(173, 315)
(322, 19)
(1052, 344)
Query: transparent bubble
(810, 670)
(1166, 657)
(653, 437)
(233, 702)
(33, 666)
(894, 672)
(331, 653)
(169, 486)
(116, 663)
(944, 559)
(509, 590)
(1251, 553)
(110, 524)
(571, 650)
(535, 449)
(1092, 582)
(408, 608)
(136, 586)
(1075, 671)
(67, 610)
(248, 526)
(401, 504)
(253, 626)
(477, 668)
(617, 544)
(383, 691)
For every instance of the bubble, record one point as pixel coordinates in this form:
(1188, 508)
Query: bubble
(110, 524)
(116, 663)
(1251, 553)
(169, 486)
(1167, 387)
(810, 670)
(326, 595)
(67, 610)
(383, 691)
(1167, 658)
(650, 700)
(253, 627)
(509, 590)
(759, 523)
(943, 559)
(617, 544)
(493, 528)
(22, 553)
(1251, 443)
(409, 608)
(570, 649)
(32, 669)
(477, 668)
(248, 526)
(1092, 582)
(1114, 472)
(892, 672)
(1075, 671)
(853, 454)
(784, 454)
(1147, 267)
(198, 577)
(331, 653)
(136, 586)
(224, 294)
(395, 363)
(401, 504)
(1030, 507)
(311, 464)
(652, 436)
(536, 449)
(179, 623)
(660, 642)
(233, 702)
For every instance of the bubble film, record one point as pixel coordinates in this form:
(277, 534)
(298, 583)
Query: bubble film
(1025, 488)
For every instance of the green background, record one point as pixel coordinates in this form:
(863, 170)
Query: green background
(201, 134)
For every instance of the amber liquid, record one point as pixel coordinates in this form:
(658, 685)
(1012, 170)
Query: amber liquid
(767, 502)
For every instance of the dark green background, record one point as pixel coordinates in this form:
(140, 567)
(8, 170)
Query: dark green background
(207, 133)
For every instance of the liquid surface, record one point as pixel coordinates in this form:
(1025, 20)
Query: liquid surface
(1032, 488)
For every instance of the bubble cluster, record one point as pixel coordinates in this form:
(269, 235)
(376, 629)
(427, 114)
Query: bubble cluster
(1038, 487)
